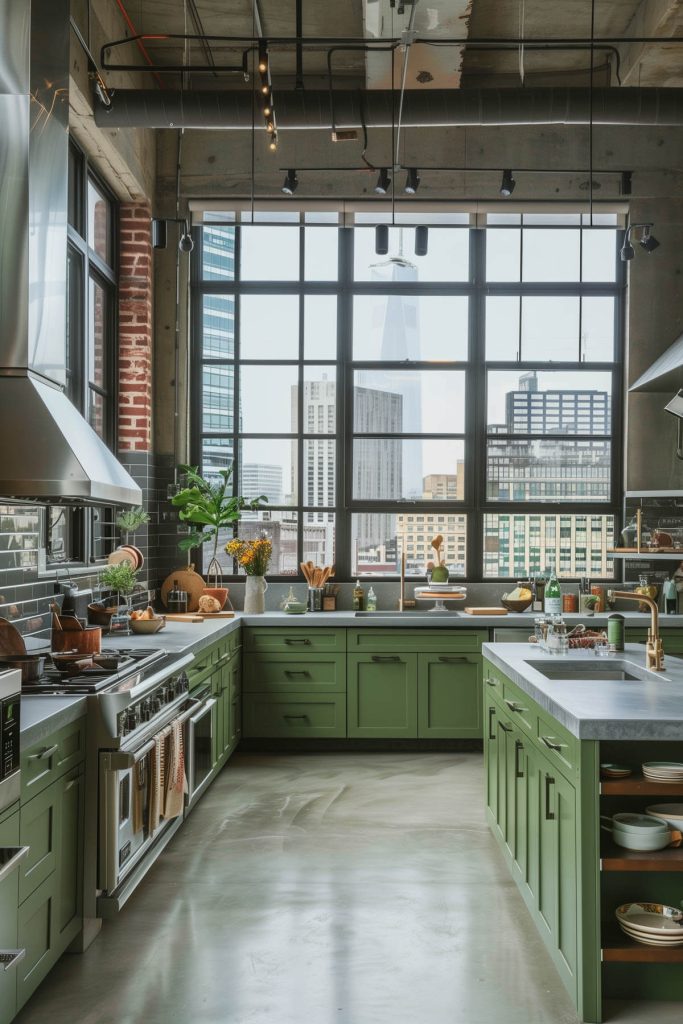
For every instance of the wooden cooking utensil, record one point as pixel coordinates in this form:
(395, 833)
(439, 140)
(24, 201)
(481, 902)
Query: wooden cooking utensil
(56, 621)
(70, 624)
(11, 640)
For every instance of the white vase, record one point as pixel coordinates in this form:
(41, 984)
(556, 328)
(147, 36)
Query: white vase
(255, 595)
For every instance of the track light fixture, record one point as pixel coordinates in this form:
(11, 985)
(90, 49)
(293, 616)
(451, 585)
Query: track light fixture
(421, 240)
(381, 239)
(412, 182)
(647, 241)
(291, 183)
(383, 182)
(159, 231)
(507, 184)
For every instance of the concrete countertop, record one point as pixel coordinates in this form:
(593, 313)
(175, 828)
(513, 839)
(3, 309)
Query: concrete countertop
(42, 716)
(599, 709)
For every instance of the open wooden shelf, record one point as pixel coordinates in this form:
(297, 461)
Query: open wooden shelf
(619, 948)
(616, 858)
(637, 785)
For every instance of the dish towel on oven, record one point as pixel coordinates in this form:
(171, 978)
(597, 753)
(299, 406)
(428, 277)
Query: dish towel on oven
(157, 782)
(176, 781)
(140, 782)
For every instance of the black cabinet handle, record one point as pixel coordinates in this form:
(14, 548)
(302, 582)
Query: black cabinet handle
(519, 774)
(290, 640)
(452, 661)
(550, 745)
(505, 727)
(305, 717)
(492, 712)
(491, 682)
(297, 672)
(549, 781)
(386, 659)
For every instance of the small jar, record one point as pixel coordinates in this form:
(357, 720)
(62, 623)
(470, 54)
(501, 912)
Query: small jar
(570, 603)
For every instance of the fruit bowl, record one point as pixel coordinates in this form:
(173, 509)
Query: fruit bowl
(515, 606)
(148, 625)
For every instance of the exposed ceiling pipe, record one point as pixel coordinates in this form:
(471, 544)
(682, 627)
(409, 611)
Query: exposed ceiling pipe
(434, 108)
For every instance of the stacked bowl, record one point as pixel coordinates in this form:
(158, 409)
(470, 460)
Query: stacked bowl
(652, 924)
(639, 831)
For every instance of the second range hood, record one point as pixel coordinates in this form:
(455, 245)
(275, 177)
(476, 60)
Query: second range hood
(666, 373)
(48, 452)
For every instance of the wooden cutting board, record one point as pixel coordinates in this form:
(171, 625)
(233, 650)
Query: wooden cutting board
(197, 616)
(486, 611)
(11, 640)
(189, 581)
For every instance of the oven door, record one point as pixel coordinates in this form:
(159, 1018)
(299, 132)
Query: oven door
(124, 813)
(200, 746)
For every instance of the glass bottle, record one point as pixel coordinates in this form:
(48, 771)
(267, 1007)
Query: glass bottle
(553, 595)
(539, 593)
(358, 597)
(371, 605)
(177, 600)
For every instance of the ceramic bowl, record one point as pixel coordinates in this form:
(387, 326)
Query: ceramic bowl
(638, 824)
(643, 843)
(672, 814)
(515, 606)
(146, 626)
(295, 608)
(650, 918)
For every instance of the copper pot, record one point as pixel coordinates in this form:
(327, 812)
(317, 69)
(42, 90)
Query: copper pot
(30, 665)
(80, 641)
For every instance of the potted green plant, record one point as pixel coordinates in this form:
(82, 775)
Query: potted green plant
(210, 507)
(131, 520)
(122, 579)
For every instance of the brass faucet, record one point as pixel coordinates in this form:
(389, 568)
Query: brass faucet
(654, 648)
(402, 602)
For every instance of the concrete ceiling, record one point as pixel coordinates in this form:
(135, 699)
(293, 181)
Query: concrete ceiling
(430, 66)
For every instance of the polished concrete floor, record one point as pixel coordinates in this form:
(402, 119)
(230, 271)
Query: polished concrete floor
(346, 888)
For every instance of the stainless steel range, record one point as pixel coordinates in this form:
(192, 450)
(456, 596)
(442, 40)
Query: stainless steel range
(140, 737)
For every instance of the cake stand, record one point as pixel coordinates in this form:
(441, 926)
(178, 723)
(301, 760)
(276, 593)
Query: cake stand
(439, 597)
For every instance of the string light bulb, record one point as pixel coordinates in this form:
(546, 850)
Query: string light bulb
(272, 145)
(263, 56)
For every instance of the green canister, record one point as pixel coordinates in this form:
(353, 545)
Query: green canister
(615, 631)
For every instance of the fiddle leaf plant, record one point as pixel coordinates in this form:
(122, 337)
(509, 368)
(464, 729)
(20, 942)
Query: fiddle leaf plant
(209, 506)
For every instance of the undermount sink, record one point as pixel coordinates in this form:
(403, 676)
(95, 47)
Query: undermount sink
(392, 615)
(585, 669)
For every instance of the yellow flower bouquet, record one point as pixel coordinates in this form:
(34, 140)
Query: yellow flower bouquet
(252, 555)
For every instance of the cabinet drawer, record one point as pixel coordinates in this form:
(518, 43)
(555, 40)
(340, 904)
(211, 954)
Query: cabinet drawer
(448, 696)
(420, 641)
(292, 674)
(44, 762)
(523, 710)
(296, 716)
(37, 919)
(493, 680)
(295, 640)
(38, 829)
(558, 745)
(9, 889)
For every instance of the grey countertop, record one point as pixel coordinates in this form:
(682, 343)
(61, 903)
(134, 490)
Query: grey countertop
(42, 715)
(599, 709)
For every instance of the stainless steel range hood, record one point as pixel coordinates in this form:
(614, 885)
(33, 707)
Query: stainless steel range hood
(666, 373)
(49, 453)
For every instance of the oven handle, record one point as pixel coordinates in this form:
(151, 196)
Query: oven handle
(206, 706)
(120, 760)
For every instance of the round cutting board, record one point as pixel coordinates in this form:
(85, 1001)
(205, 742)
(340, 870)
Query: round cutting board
(188, 580)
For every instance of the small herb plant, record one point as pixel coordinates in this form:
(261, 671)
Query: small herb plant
(121, 578)
(209, 506)
(131, 520)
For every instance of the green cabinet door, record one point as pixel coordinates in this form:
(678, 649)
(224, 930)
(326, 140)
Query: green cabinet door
(231, 707)
(39, 830)
(567, 911)
(504, 813)
(70, 858)
(216, 683)
(382, 695)
(37, 922)
(449, 696)
(9, 898)
(518, 770)
(546, 895)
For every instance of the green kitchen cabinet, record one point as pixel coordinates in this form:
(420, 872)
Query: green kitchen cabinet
(382, 695)
(448, 696)
(70, 857)
(217, 712)
(294, 715)
(39, 830)
(491, 760)
(37, 934)
(232, 713)
(9, 900)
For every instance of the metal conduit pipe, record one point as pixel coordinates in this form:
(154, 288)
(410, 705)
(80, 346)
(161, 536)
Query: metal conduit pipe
(433, 108)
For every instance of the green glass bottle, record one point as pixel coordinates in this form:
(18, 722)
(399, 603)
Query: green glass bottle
(553, 595)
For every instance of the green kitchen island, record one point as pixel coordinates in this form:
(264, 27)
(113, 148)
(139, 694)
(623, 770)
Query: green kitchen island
(549, 722)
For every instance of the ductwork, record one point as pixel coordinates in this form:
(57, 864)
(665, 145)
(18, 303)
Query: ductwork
(431, 108)
(49, 453)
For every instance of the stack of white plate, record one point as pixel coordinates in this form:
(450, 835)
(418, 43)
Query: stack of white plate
(663, 771)
(615, 771)
(653, 924)
(438, 588)
(672, 814)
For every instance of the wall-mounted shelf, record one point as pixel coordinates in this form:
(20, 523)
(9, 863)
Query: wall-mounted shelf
(636, 785)
(616, 858)
(618, 948)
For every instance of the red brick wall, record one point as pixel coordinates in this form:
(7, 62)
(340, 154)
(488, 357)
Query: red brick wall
(135, 328)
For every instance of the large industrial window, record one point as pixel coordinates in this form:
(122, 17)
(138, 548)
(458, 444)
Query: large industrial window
(473, 392)
(74, 535)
